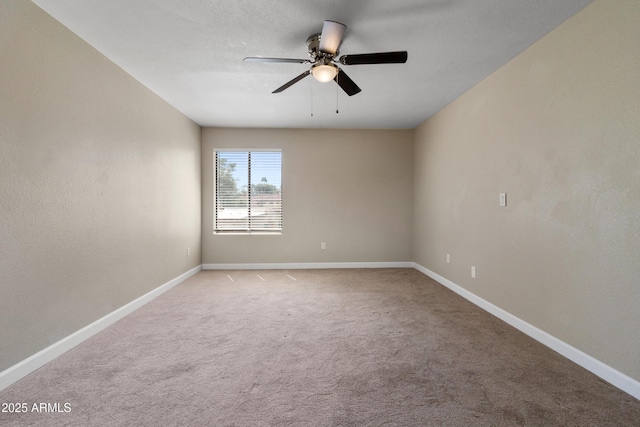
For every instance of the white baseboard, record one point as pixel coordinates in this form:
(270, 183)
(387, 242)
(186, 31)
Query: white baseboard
(30, 364)
(306, 265)
(606, 372)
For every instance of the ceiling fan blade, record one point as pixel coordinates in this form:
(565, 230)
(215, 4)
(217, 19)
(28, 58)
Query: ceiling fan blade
(289, 60)
(375, 58)
(331, 36)
(292, 82)
(346, 83)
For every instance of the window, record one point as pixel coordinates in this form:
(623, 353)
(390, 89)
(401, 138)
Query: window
(248, 191)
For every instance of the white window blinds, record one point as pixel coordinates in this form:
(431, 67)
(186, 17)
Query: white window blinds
(248, 191)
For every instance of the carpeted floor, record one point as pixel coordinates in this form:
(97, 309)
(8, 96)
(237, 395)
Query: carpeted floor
(384, 347)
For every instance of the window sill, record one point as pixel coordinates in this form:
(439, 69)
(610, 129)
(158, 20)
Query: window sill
(247, 233)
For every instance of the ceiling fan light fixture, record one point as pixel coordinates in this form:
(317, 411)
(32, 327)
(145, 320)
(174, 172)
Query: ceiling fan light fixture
(323, 50)
(324, 72)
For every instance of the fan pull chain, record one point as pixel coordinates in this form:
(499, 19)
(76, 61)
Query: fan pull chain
(337, 93)
(311, 97)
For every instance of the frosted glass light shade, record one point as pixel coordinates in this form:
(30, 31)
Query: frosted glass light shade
(324, 73)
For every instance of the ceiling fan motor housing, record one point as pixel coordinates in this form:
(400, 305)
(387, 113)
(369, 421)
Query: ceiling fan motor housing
(313, 45)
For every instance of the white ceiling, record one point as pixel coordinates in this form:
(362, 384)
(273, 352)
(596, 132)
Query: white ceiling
(190, 53)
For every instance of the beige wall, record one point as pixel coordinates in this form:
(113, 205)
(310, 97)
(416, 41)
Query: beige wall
(349, 188)
(99, 185)
(558, 129)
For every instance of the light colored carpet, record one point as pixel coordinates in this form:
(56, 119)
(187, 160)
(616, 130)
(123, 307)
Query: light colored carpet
(386, 347)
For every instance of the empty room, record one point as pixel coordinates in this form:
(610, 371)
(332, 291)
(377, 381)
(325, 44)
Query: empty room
(320, 213)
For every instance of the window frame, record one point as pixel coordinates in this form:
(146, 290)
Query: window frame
(250, 229)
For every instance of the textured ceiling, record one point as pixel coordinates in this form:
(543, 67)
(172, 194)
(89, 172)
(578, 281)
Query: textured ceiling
(190, 53)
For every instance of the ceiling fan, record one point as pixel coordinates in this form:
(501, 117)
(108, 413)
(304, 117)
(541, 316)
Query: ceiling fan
(323, 50)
